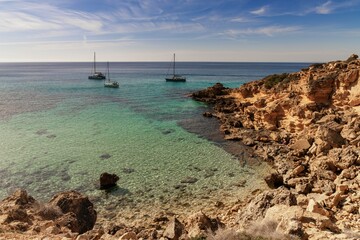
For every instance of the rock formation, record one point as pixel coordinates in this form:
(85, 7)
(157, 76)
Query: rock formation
(307, 126)
(65, 216)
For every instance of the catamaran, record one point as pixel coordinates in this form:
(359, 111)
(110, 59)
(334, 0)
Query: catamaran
(175, 77)
(96, 75)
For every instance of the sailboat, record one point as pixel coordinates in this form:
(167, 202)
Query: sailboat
(96, 75)
(175, 77)
(108, 82)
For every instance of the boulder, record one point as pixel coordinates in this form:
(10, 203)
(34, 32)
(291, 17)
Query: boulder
(352, 58)
(80, 211)
(343, 158)
(301, 145)
(108, 180)
(326, 138)
(315, 207)
(320, 88)
(199, 225)
(321, 221)
(274, 180)
(174, 229)
(287, 220)
(20, 197)
(209, 95)
(128, 236)
(257, 208)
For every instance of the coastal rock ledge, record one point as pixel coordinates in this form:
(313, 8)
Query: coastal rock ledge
(307, 126)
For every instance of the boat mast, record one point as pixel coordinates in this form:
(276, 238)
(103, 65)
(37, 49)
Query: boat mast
(174, 66)
(94, 62)
(108, 71)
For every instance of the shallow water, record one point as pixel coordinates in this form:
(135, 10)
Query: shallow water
(60, 131)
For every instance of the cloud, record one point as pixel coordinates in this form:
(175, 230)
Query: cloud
(330, 7)
(26, 16)
(261, 11)
(325, 8)
(269, 31)
(242, 20)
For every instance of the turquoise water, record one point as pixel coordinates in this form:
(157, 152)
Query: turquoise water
(56, 126)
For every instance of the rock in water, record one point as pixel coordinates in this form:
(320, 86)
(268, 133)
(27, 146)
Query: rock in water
(74, 204)
(108, 180)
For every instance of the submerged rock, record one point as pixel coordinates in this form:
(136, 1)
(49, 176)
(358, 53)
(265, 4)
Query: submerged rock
(105, 156)
(189, 180)
(108, 180)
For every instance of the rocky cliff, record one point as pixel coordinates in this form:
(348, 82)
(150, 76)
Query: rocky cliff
(307, 125)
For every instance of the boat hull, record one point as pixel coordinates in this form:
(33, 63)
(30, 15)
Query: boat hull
(97, 77)
(176, 79)
(111, 85)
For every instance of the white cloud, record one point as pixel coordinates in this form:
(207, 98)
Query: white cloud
(260, 11)
(18, 21)
(267, 31)
(242, 20)
(329, 7)
(325, 8)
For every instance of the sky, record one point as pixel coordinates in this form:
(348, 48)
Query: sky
(196, 30)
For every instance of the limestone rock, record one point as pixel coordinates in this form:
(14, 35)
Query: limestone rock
(287, 219)
(209, 95)
(174, 229)
(20, 197)
(328, 138)
(321, 221)
(257, 208)
(301, 145)
(274, 180)
(128, 236)
(315, 207)
(79, 206)
(199, 225)
(343, 158)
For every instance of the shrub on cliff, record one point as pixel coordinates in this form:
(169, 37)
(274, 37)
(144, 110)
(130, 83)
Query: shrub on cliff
(272, 80)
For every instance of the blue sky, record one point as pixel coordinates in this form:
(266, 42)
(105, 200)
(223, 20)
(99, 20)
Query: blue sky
(197, 30)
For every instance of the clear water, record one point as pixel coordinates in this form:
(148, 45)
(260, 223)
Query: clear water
(55, 125)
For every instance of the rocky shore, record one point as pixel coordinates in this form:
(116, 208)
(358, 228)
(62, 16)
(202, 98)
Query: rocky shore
(306, 125)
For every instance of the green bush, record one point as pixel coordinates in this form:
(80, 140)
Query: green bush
(272, 80)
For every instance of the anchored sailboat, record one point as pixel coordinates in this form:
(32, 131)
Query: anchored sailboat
(96, 75)
(108, 82)
(175, 77)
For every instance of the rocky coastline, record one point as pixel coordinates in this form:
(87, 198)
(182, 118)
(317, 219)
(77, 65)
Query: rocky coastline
(306, 125)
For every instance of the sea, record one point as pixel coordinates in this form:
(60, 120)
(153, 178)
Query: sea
(60, 131)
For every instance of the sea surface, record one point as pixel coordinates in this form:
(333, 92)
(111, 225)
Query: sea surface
(59, 131)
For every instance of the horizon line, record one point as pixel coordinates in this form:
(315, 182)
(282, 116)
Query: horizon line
(156, 61)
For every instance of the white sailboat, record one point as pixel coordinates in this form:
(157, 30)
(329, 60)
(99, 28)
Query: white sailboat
(175, 77)
(108, 82)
